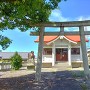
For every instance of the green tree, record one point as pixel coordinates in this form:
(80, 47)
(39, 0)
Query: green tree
(4, 42)
(16, 61)
(22, 14)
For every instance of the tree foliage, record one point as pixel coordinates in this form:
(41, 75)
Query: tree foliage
(22, 13)
(4, 42)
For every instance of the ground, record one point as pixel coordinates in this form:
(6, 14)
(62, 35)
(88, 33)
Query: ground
(52, 79)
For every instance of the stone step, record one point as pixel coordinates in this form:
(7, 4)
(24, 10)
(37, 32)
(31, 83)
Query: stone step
(62, 65)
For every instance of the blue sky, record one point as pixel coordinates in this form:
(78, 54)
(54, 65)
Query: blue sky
(70, 10)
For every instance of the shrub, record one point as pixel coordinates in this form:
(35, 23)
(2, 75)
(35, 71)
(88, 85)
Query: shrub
(16, 61)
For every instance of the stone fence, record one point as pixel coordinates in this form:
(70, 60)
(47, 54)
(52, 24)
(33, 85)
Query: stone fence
(5, 66)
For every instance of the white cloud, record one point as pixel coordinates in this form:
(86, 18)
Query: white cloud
(56, 16)
(81, 18)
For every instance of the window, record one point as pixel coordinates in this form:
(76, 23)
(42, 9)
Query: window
(47, 51)
(75, 51)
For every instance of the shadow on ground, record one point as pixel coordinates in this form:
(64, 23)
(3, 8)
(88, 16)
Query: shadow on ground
(60, 80)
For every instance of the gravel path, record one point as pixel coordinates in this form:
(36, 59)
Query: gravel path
(60, 80)
(12, 73)
(65, 81)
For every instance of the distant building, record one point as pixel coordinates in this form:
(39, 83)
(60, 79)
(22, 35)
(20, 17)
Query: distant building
(8, 55)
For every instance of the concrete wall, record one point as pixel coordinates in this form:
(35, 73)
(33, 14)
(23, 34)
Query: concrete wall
(75, 58)
(47, 58)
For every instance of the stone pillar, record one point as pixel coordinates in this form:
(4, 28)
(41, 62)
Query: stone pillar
(80, 53)
(40, 51)
(69, 55)
(84, 51)
(53, 55)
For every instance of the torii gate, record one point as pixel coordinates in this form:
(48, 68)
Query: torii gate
(61, 25)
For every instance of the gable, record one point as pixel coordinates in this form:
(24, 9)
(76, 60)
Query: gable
(48, 39)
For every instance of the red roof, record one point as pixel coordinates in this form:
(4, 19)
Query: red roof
(51, 38)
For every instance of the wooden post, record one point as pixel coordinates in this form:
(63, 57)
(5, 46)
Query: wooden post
(39, 59)
(84, 51)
